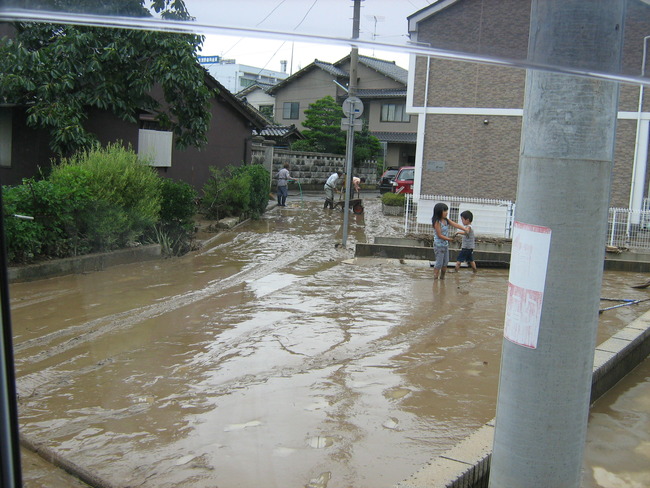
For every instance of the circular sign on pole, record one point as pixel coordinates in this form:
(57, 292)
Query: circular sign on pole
(353, 107)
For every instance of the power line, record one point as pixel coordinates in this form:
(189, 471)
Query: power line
(269, 14)
(303, 19)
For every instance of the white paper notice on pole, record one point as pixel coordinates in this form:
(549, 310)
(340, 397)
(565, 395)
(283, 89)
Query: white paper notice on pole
(528, 263)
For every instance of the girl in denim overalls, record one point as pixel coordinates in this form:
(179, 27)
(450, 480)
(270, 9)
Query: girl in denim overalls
(441, 238)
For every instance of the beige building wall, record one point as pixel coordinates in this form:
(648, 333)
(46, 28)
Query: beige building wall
(314, 85)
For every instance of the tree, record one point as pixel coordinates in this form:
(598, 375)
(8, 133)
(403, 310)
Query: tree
(324, 132)
(60, 71)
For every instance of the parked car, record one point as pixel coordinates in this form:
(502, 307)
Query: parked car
(386, 180)
(403, 182)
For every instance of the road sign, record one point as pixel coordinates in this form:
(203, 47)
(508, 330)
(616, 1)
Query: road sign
(357, 124)
(353, 107)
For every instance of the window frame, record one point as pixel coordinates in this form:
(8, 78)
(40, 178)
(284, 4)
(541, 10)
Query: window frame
(390, 112)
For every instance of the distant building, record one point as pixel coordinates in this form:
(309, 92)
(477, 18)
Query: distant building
(236, 77)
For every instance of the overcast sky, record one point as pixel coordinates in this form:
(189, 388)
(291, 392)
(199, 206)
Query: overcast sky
(381, 20)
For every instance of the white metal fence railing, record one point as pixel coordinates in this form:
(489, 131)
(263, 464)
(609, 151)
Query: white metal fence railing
(494, 218)
(629, 228)
(491, 217)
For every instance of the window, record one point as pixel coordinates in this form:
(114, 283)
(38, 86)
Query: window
(290, 110)
(394, 112)
(156, 147)
(5, 137)
(266, 110)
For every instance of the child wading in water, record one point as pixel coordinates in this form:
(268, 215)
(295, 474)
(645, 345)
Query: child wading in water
(466, 253)
(441, 238)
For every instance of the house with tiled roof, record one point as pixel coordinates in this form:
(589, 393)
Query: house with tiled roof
(257, 96)
(381, 85)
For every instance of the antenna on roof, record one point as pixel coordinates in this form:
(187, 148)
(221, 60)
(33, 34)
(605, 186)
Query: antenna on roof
(375, 19)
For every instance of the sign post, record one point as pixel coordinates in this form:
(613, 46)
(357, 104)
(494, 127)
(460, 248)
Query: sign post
(352, 108)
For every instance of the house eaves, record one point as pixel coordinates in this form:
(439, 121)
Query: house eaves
(256, 119)
(396, 137)
(382, 93)
(327, 67)
(265, 87)
(279, 131)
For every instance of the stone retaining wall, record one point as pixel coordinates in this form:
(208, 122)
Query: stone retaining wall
(311, 169)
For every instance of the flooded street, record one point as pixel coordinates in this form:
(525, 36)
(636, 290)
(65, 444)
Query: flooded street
(268, 358)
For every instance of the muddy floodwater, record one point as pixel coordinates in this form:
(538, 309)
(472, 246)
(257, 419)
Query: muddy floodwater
(269, 358)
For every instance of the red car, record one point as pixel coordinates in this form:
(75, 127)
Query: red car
(403, 182)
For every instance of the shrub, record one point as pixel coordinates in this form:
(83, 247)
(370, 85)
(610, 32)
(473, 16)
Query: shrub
(174, 231)
(51, 232)
(236, 192)
(393, 199)
(123, 195)
(178, 203)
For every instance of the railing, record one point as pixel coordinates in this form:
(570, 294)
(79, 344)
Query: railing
(491, 217)
(628, 229)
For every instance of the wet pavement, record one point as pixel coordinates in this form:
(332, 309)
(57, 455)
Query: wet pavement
(269, 358)
(617, 453)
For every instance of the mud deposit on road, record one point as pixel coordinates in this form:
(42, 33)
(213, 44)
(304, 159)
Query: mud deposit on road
(265, 360)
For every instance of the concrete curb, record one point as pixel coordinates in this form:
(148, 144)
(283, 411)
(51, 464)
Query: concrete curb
(486, 256)
(467, 465)
(83, 264)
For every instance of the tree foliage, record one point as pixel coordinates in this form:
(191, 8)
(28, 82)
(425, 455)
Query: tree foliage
(324, 134)
(60, 71)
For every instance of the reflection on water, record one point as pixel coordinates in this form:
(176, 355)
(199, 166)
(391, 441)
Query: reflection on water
(618, 439)
(265, 359)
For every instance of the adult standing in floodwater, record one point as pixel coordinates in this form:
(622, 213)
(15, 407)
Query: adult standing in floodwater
(283, 176)
(330, 186)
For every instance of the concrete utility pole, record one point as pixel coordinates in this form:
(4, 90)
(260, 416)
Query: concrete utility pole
(563, 194)
(352, 91)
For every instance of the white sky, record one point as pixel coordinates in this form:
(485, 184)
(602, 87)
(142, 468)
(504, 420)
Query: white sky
(380, 20)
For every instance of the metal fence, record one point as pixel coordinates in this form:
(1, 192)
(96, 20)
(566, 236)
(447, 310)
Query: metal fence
(628, 229)
(492, 218)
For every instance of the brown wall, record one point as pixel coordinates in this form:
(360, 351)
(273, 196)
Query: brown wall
(29, 151)
(228, 144)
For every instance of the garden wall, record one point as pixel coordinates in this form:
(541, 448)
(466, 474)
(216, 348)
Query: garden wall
(310, 169)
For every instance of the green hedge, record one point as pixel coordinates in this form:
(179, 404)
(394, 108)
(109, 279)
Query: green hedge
(236, 192)
(393, 199)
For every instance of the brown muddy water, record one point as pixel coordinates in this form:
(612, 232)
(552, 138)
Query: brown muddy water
(269, 358)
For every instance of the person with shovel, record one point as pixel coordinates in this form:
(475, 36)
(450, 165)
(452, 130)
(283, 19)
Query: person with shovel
(330, 187)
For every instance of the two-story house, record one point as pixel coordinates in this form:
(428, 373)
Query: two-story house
(470, 121)
(381, 86)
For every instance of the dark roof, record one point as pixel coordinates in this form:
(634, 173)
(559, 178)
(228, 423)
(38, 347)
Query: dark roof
(279, 131)
(382, 93)
(405, 137)
(331, 69)
(265, 87)
(386, 68)
(248, 111)
(328, 67)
